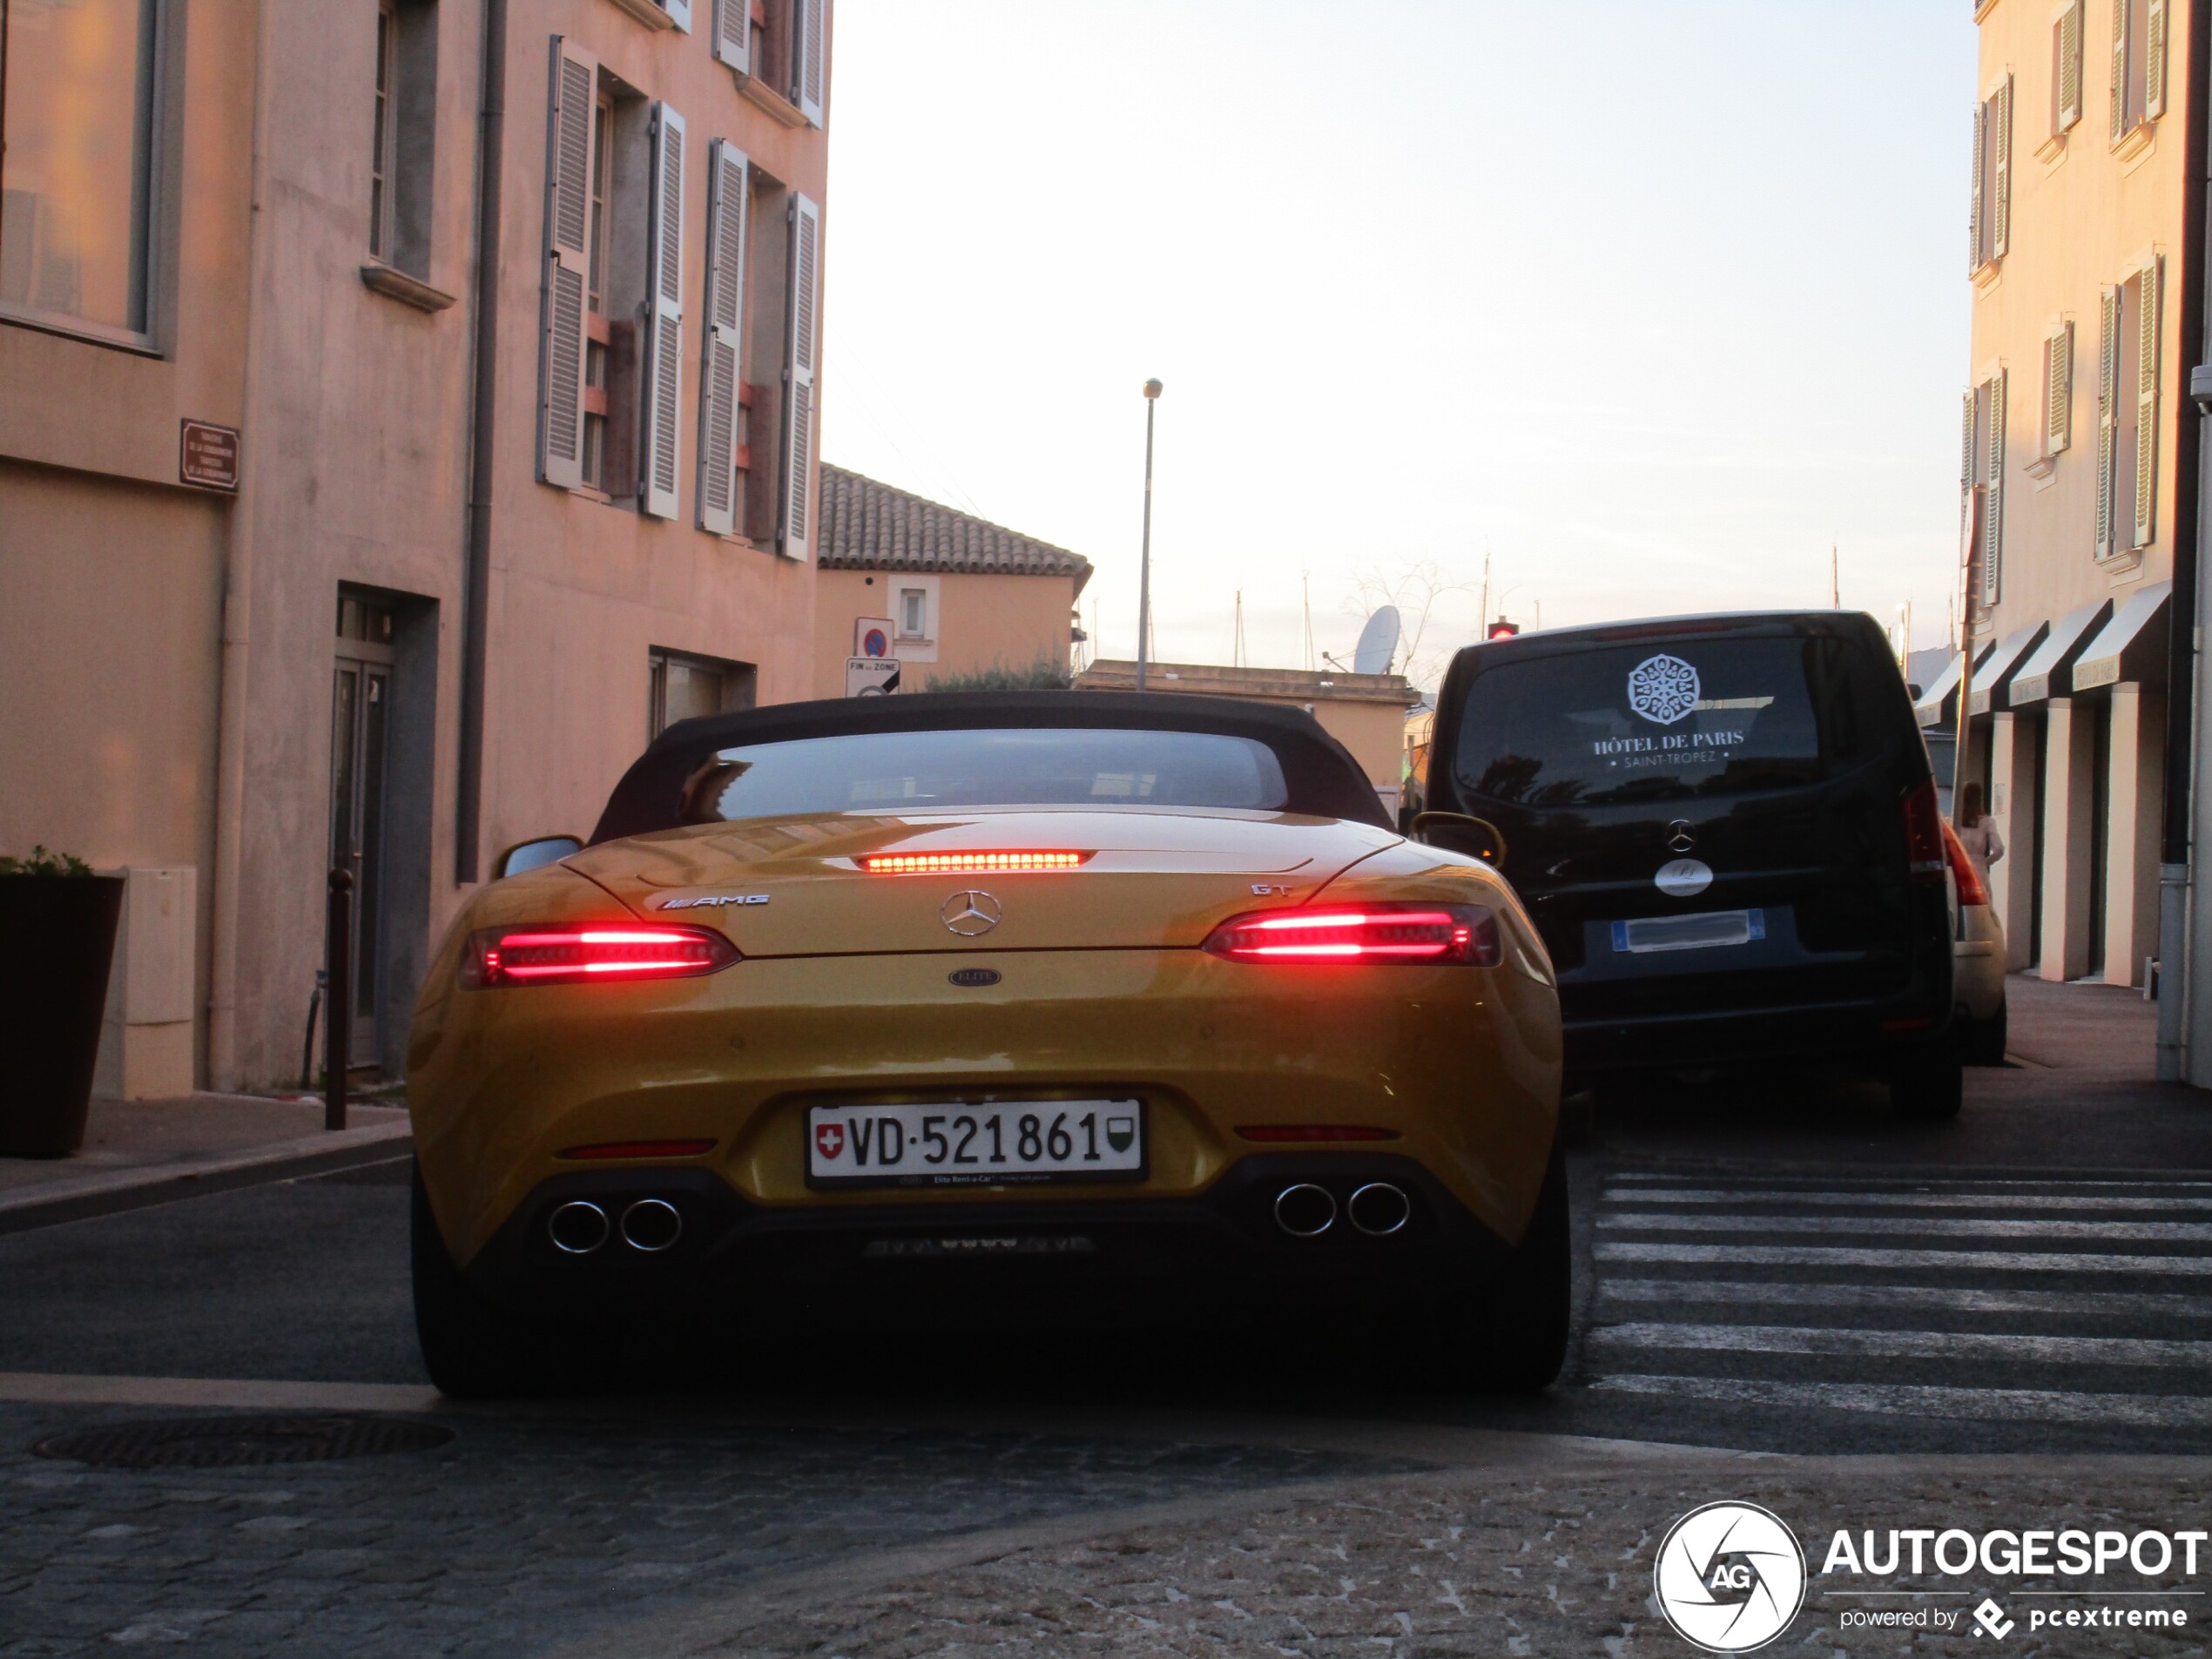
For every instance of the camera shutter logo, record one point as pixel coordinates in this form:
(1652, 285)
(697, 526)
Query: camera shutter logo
(1729, 1577)
(1663, 689)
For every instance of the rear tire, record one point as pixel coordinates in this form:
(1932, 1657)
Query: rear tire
(476, 1350)
(1929, 1085)
(1518, 1341)
(1981, 1042)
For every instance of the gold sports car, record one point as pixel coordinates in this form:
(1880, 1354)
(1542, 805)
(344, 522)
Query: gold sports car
(955, 999)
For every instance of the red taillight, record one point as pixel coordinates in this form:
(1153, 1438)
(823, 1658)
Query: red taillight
(969, 863)
(1971, 888)
(1310, 1132)
(591, 951)
(1924, 834)
(1410, 934)
(640, 1149)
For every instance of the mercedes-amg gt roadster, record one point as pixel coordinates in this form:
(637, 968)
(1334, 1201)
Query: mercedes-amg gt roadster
(957, 1000)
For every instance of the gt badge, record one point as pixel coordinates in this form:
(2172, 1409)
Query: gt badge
(970, 914)
(1265, 889)
(714, 901)
(829, 1139)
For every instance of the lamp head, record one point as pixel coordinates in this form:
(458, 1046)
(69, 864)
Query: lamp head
(1152, 388)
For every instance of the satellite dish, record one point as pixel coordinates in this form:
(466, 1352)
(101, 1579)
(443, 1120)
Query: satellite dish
(1378, 643)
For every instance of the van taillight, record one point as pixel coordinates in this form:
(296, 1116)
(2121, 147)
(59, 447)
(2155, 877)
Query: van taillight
(1924, 854)
(590, 951)
(1971, 888)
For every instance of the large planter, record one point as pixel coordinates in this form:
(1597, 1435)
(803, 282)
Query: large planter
(56, 940)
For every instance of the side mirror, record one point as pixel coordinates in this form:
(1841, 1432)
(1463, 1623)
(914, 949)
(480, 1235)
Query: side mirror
(531, 855)
(1458, 833)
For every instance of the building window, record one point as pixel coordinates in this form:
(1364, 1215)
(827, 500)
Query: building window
(2066, 70)
(913, 614)
(1989, 219)
(682, 687)
(2058, 389)
(76, 163)
(597, 335)
(2137, 85)
(2128, 382)
(1982, 484)
(403, 135)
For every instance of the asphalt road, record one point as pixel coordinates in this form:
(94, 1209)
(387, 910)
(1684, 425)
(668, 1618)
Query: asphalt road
(1781, 1268)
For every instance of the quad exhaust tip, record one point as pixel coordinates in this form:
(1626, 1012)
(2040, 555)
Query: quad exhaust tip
(578, 1227)
(1306, 1210)
(1379, 1209)
(652, 1225)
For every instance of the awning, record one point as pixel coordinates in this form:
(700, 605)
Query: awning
(1939, 704)
(2050, 671)
(2133, 644)
(1993, 674)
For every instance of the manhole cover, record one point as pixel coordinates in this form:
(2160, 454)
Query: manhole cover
(217, 1442)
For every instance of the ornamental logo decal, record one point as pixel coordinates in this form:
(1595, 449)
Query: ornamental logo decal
(1663, 689)
(969, 913)
(1729, 1577)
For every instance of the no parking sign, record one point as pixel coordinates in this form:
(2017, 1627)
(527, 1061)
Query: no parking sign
(872, 635)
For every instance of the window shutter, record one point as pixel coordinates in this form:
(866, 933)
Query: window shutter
(2147, 405)
(567, 164)
(2107, 394)
(679, 13)
(1973, 198)
(2058, 389)
(733, 34)
(2000, 170)
(807, 66)
(2070, 67)
(801, 345)
(2154, 60)
(1966, 470)
(723, 312)
(1993, 501)
(663, 378)
(2119, 69)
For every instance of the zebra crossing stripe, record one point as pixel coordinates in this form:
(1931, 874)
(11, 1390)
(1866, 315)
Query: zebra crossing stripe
(1914, 1399)
(1906, 1344)
(2140, 1232)
(2002, 1261)
(1907, 1200)
(2169, 1305)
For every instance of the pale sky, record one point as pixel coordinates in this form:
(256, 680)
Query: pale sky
(1658, 300)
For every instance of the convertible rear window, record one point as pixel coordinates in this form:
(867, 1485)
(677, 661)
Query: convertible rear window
(1704, 717)
(1039, 766)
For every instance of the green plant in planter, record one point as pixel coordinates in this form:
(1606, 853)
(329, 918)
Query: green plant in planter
(42, 862)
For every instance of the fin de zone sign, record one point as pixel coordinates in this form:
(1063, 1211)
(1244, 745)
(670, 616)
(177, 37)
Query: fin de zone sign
(207, 454)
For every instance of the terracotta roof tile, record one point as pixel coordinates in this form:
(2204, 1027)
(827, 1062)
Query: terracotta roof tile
(863, 525)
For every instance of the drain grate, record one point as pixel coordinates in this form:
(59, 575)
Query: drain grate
(221, 1442)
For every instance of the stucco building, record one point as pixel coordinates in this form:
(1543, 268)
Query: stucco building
(405, 407)
(951, 594)
(2079, 451)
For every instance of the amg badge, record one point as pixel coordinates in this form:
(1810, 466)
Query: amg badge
(714, 901)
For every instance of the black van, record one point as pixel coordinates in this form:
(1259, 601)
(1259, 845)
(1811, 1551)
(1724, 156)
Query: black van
(1726, 829)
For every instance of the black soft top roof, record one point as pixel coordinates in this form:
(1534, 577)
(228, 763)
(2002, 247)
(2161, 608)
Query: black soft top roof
(1325, 780)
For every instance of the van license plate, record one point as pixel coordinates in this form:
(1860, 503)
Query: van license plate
(1703, 931)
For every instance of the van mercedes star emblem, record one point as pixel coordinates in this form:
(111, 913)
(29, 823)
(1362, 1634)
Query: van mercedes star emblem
(970, 912)
(1680, 837)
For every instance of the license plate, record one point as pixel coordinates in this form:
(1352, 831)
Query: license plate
(993, 1143)
(1703, 931)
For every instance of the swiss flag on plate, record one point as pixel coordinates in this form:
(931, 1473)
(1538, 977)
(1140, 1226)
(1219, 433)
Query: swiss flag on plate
(829, 1139)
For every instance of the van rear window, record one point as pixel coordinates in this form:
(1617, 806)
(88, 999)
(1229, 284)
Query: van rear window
(1642, 722)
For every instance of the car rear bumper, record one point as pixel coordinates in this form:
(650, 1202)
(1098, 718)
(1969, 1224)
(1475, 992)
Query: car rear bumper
(734, 1253)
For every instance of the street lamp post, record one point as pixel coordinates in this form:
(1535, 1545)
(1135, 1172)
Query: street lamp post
(1152, 389)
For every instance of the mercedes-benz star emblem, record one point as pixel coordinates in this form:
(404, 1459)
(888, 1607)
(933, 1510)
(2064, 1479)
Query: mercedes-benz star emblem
(1680, 837)
(970, 912)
